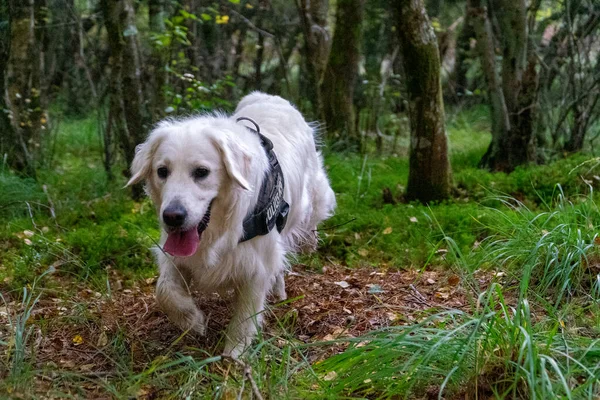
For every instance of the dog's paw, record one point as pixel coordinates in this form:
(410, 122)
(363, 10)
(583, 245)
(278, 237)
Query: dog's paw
(194, 321)
(279, 295)
(234, 350)
(278, 290)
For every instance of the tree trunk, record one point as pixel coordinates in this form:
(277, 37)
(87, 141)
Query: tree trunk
(156, 71)
(513, 142)
(128, 107)
(258, 60)
(482, 28)
(25, 94)
(13, 150)
(114, 123)
(429, 173)
(156, 15)
(463, 53)
(317, 43)
(337, 88)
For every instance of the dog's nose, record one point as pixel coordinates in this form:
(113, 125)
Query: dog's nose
(174, 215)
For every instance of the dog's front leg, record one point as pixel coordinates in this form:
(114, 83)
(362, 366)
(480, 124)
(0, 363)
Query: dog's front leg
(247, 316)
(174, 297)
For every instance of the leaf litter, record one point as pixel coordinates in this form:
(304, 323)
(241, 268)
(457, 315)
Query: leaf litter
(81, 329)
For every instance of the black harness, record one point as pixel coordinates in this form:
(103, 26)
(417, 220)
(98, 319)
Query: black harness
(271, 209)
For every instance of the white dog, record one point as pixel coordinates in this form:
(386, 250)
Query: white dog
(205, 176)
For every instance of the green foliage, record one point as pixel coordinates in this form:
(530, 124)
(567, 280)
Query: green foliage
(16, 194)
(192, 95)
(186, 93)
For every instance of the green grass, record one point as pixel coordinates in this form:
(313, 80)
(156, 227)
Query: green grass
(529, 333)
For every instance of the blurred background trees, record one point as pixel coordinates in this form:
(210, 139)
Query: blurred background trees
(366, 71)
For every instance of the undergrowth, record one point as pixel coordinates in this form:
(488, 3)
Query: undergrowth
(531, 333)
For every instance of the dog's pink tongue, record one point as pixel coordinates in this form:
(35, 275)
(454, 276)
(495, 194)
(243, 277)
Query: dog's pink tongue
(182, 244)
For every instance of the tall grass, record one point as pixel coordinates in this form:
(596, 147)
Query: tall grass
(518, 341)
(18, 347)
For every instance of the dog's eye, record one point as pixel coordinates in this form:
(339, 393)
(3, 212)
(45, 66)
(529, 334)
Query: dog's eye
(200, 173)
(162, 172)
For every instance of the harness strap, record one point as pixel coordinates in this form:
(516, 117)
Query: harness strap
(271, 209)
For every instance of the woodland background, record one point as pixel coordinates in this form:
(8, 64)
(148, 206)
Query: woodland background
(460, 138)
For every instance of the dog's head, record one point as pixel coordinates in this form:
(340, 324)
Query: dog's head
(186, 166)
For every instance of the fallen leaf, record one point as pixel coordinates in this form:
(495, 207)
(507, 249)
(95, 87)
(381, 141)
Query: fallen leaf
(453, 280)
(343, 284)
(430, 281)
(374, 288)
(442, 295)
(387, 230)
(77, 340)
(331, 375)
(391, 316)
(102, 340)
(86, 367)
(150, 281)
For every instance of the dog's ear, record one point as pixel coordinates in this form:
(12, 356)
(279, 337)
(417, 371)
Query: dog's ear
(141, 166)
(234, 158)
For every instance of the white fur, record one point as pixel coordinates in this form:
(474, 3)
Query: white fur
(238, 164)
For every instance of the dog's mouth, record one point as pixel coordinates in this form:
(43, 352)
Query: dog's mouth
(184, 243)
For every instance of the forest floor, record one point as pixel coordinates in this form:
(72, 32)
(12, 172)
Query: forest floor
(492, 294)
(326, 306)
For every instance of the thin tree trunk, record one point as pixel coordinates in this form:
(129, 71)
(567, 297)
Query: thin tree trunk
(137, 118)
(485, 47)
(429, 173)
(463, 53)
(239, 50)
(513, 143)
(156, 15)
(127, 100)
(13, 151)
(337, 87)
(512, 19)
(113, 123)
(317, 44)
(260, 50)
(156, 67)
(25, 90)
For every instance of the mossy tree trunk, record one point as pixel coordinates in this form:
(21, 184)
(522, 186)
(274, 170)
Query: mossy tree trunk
(337, 87)
(317, 44)
(429, 173)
